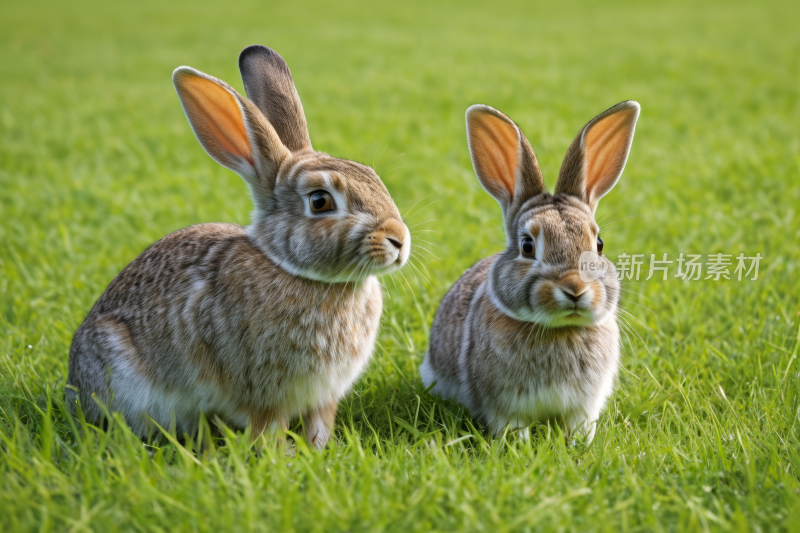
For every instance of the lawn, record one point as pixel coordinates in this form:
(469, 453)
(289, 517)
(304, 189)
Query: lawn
(97, 161)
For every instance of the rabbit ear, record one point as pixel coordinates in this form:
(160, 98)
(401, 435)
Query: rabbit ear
(230, 129)
(503, 160)
(268, 83)
(596, 158)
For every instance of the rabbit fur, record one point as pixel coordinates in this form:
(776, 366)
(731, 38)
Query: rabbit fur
(256, 325)
(522, 338)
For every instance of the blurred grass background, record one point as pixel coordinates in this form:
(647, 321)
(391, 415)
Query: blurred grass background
(97, 161)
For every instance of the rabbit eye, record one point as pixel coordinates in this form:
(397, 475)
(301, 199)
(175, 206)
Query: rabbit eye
(528, 249)
(599, 245)
(321, 201)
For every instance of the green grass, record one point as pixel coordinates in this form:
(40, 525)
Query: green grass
(97, 161)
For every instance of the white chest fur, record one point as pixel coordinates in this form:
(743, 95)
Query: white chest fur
(518, 379)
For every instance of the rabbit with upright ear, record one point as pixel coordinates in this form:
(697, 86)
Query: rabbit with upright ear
(260, 324)
(525, 336)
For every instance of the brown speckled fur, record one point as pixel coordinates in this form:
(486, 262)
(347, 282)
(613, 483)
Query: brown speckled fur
(515, 340)
(255, 325)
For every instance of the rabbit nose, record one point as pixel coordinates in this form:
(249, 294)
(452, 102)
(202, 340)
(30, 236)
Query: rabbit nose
(393, 231)
(573, 292)
(573, 298)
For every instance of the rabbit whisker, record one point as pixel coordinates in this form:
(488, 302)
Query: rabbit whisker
(628, 350)
(421, 223)
(384, 289)
(607, 231)
(409, 287)
(420, 264)
(622, 347)
(330, 286)
(420, 273)
(426, 260)
(542, 335)
(537, 329)
(434, 255)
(390, 162)
(618, 220)
(422, 258)
(356, 268)
(428, 242)
(391, 276)
(612, 209)
(634, 292)
(403, 216)
(635, 282)
(640, 305)
(626, 310)
(630, 328)
(379, 157)
(640, 338)
(360, 271)
(546, 333)
(421, 209)
(400, 282)
(533, 327)
(325, 294)
(391, 170)
(625, 332)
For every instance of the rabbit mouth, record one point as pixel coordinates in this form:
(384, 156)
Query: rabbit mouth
(385, 260)
(383, 256)
(575, 314)
(372, 260)
(387, 247)
(572, 317)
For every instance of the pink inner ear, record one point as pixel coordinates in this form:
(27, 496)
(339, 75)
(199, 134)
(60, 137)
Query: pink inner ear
(494, 146)
(214, 108)
(607, 143)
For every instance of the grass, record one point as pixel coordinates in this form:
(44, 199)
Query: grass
(97, 161)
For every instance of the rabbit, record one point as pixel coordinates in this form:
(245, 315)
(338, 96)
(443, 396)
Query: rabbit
(256, 325)
(525, 336)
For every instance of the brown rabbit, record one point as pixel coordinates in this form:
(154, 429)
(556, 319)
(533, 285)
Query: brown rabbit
(525, 336)
(261, 324)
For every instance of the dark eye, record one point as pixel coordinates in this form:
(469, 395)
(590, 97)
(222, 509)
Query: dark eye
(527, 248)
(599, 245)
(321, 201)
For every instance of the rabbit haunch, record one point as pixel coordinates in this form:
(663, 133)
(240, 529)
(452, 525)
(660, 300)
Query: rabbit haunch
(255, 325)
